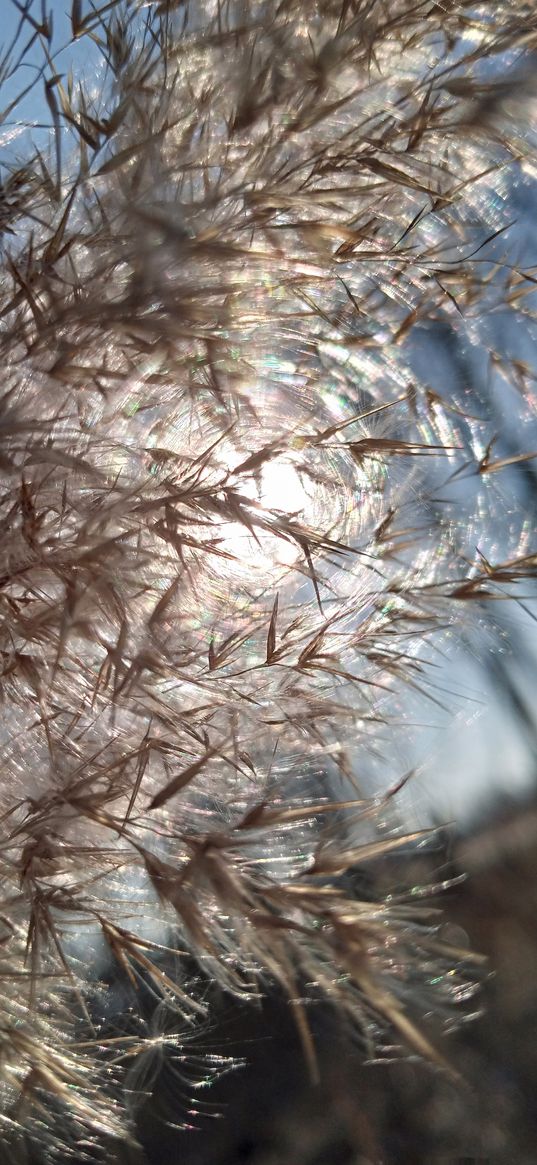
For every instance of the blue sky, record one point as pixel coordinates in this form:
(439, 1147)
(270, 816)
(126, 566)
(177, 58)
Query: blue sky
(33, 109)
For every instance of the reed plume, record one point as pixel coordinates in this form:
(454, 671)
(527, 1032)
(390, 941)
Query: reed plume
(234, 522)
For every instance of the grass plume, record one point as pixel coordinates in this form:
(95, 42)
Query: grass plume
(229, 515)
